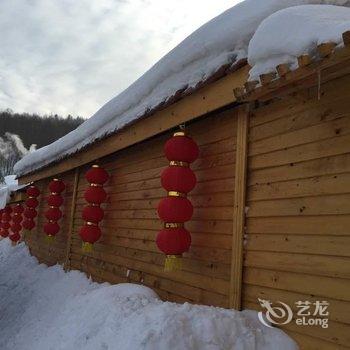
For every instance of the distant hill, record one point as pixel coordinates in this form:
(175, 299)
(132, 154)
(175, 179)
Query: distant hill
(36, 129)
(21, 133)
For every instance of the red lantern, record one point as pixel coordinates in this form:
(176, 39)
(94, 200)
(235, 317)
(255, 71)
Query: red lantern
(51, 228)
(18, 209)
(181, 148)
(6, 225)
(28, 224)
(97, 175)
(16, 227)
(53, 214)
(32, 202)
(4, 233)
(56, 186)
(93, 214)
(17, 218)
(174, 241)
(30, 213)
(95, 195)
(178, 179)
(33, 191)
(7, 209)
(54, 200)
(15, 237)
(6, 217)
(90, 234)
(175, 209)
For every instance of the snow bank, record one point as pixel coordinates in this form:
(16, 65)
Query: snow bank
(47, 309)
(222, 41)
(289, 33)
(10, 185)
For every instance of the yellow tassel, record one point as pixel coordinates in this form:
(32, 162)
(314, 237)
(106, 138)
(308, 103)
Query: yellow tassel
(173, 263)
(87, 247)
(49, 238)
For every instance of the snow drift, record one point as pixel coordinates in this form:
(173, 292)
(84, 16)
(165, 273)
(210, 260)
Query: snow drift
(45, 308)
(221, 42)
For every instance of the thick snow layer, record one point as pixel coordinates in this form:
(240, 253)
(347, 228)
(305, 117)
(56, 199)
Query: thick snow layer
(289, 33)
(45, 308)
(220, 42)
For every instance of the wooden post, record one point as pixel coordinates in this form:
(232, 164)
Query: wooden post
(235, 295)
(71, 219)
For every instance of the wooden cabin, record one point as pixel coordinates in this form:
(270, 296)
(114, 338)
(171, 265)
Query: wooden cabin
(272, 202)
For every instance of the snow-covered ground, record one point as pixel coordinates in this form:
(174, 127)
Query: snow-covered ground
(45, 308)
(221, 42)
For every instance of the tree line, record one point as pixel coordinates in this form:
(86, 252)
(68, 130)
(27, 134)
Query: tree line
(21, 133)
(37, 129)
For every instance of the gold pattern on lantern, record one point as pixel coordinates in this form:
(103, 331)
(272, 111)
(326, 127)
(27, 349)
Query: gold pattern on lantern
(176, 194)
(173, 225)
(179, 163)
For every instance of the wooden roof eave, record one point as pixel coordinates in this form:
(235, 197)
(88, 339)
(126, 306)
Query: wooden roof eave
(330, 64)
(210, 97)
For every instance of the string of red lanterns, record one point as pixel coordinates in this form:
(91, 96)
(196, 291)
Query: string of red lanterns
(93, 214)
(6, 218)
(1, 212)
(16, 226)
(54, 214)
(31, 204)
(174, 210)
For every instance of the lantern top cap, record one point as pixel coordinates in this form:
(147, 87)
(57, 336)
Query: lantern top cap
(179, 133)
(95, 166)
(89, 223)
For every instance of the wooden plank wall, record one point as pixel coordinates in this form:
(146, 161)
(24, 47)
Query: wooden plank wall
(298, 221)
(53, 252)
(127, 251)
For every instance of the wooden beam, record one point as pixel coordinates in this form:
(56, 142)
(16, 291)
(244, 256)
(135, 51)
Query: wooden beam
(238, 92)
(71, 219)
(267, 78)
(282, 69)
(205, 100)
(346, 38)
(235, 293)
(251, 85)
(332, 66)
(326, 49)
(17, 197)
(304, 60)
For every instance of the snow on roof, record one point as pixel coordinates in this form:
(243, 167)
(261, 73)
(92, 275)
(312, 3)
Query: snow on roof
(47, 308)
(308, 26)
(222, 42)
